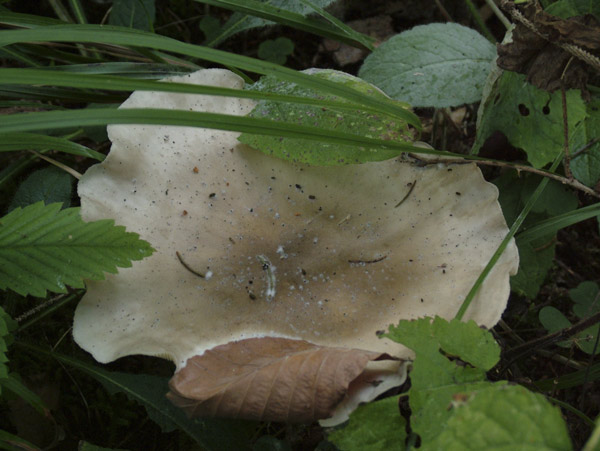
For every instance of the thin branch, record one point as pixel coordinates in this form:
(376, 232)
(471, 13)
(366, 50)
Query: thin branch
(547, 340)
(502, 164)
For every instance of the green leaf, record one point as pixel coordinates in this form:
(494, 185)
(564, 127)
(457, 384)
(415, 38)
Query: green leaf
(362, 124)
(133, 14)
(45, 248)
(210, 26)
(570, 8)
(553, 320)
(376, 426)
(531, 118)
(503, 417)
(586, 166)
(535, 260)
(49, 185)
(276, 50)
(248, 18)
(437, 65)
(436, 380)
(586, 298)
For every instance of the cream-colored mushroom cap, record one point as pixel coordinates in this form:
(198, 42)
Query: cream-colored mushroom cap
(331, 255)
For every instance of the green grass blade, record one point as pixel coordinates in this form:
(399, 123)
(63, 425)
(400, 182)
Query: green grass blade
(284, 17)
(136, 38)
(29, 122)
(513, 229)
(44, 248)
(27, 20)
(22, 141)
(108, 82)
(552, 225)
(365, 40)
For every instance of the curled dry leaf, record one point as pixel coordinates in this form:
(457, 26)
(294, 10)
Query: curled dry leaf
(533, 50)
(271, 379)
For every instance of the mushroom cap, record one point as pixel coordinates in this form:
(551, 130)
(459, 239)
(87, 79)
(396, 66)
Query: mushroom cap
(331, 255)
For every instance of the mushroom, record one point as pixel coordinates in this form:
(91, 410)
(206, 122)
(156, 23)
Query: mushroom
(249, 246)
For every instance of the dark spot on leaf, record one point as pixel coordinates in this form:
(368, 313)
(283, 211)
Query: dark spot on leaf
(523, 110)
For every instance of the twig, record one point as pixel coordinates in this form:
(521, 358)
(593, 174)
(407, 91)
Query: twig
(502, 164)
(530, 346)
(412, 187)
(586, 147)
(186, 266)
(365, 262)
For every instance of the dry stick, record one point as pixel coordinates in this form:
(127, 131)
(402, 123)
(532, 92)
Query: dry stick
(502, 164)
(530, 346)
(443, 11)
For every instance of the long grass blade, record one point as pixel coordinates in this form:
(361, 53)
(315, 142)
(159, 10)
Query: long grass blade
(30, 122)
(135, 38)
(289, 18)
(552, 225)
(22, 141)
(76, 79)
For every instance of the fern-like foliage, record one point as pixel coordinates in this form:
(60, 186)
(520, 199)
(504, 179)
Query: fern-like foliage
(44, 248)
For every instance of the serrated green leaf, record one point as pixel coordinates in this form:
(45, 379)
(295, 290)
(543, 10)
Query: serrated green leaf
(377, 426)
(49, 185)
(436, 380)
(438, 65)
(503, 417)
(357, 122)
(531, 118)
(137, 14)
(44, 248)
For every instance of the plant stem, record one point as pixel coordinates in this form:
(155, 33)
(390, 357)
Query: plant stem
(501, 17)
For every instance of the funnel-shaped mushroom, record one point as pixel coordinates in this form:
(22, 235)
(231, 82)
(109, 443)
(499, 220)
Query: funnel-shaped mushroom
(250, 246)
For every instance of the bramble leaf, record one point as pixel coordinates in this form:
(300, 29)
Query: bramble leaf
(358, 122)
(436, 380)
(44, 248)
(374, 426)
(436, 65)
(503, 417)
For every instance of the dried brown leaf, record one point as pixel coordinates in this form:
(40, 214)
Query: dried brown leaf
(533, 50)
(270, 379)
